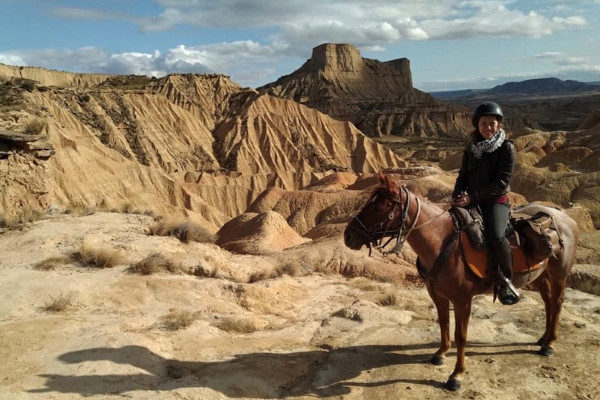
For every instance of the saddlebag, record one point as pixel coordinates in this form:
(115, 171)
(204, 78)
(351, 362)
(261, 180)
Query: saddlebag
(539, 235)
(469, 219)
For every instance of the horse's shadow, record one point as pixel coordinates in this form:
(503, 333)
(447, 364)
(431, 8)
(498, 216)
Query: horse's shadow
(253, 375)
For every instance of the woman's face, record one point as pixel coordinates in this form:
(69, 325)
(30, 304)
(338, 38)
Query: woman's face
(488, 125)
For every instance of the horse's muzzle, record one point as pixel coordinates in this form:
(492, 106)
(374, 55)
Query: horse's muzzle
(352, 239)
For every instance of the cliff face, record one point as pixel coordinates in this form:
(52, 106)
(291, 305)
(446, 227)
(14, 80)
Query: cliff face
(183, 144)
(377, 97)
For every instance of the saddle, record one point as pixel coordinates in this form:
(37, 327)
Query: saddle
(532, 238)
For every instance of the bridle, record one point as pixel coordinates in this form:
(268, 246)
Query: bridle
(378, 231)
(374, 235)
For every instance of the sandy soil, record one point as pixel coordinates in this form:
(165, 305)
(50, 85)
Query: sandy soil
(305, 336)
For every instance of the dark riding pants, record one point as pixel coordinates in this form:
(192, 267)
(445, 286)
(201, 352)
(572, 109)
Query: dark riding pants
(495, 220)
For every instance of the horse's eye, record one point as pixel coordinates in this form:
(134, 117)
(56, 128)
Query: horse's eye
(373, 199)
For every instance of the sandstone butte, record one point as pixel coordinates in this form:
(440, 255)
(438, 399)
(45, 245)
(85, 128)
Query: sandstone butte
(378, 97)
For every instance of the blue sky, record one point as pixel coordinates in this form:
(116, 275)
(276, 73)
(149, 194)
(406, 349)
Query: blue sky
(452, 44)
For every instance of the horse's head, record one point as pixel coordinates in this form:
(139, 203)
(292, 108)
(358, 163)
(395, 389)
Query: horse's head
(381, 216)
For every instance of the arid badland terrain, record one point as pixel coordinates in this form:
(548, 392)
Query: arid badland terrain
(180, 237)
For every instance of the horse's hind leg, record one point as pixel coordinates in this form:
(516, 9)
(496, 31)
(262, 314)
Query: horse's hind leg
(542, 284)
(443, 309)
(557, 291)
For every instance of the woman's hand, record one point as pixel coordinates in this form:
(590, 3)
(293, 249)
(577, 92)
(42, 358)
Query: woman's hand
(462, 200)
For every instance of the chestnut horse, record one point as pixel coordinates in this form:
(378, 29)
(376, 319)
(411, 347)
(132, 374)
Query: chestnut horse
(393, 211)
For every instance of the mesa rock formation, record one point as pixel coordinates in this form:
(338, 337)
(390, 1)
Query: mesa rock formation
(377, 97)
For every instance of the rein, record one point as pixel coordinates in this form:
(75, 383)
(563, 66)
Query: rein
(377, 232)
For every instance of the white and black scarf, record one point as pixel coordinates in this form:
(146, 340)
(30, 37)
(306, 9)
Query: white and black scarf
(489, 145)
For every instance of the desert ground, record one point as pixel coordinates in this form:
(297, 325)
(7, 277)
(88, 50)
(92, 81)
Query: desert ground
(71, 330)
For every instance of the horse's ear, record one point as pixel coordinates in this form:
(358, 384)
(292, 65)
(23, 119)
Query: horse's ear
(383, 179)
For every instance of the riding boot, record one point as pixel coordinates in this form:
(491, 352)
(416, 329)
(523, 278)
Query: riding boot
(507, 292)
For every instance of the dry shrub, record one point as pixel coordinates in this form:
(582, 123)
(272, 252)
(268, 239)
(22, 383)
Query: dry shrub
(186, 231)
(52, 263)
(389, 299)
(27, 84)
(364, 284)
(205, 272)
(11, 96)
(127, 208)
(286, 269)
(260, 276)
(80, 210)
(99, 257)
(60, 303)
(35, 127)
(21, 219)
(178, 319)
(155, 263)
(239, 325)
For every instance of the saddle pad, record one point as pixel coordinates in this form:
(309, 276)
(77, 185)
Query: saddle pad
(477, 259)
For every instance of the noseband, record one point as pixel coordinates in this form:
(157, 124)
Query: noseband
(374, 235)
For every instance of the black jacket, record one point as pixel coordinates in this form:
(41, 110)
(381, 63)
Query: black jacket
(487, 178)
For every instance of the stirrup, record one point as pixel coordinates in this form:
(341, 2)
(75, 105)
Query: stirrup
(508, 293)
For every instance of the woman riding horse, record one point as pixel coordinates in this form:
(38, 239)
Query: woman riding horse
(484, 180)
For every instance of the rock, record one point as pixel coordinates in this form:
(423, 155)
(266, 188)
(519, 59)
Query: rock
(253, 233)
(14, 137)
(44, 154)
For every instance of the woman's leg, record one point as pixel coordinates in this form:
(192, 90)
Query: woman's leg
(495, 217)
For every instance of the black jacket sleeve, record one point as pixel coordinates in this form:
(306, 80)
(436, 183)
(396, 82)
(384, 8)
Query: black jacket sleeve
(500, 185)
(461, 182)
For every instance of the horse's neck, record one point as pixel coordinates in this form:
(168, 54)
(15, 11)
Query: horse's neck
(427, 240)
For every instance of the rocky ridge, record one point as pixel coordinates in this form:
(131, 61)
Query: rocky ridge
(196, 145)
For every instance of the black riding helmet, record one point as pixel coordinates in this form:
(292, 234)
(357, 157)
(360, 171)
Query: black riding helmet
(487, 108)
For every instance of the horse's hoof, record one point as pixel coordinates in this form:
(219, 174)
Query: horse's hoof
(453, 384)
(437, 360)
(546, 351)
(541, 341)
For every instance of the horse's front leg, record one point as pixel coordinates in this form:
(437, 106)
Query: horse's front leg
(462, 312)
(443, 308)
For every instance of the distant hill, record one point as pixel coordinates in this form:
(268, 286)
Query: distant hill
(542, 86)
(529, 87)
(453, 94)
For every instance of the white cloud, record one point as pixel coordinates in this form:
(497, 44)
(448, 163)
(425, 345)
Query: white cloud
(302, 24)
(495, 19)
(239, 59)
(551, 55)
(561, 59)
(12, 59)
(570, 21)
